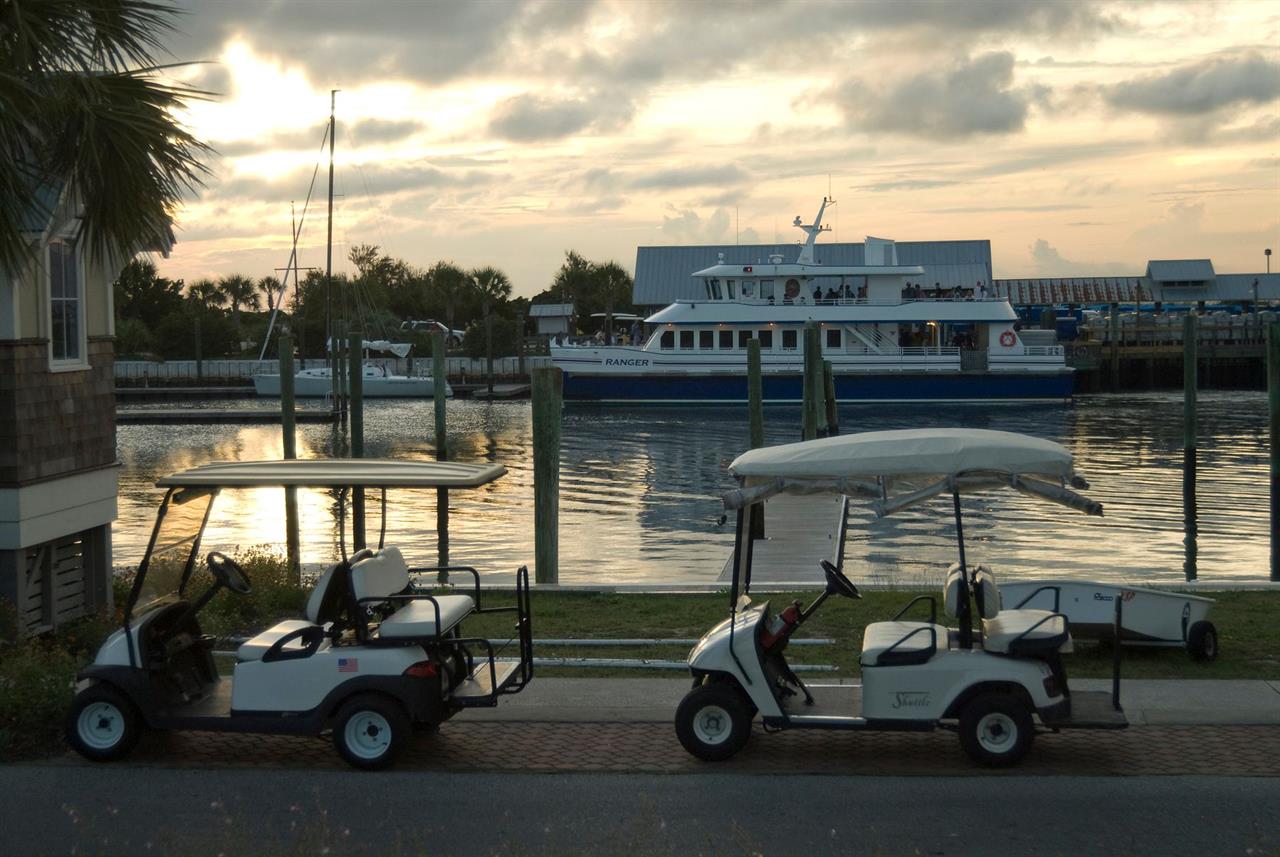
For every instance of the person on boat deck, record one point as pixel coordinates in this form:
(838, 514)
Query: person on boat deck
(832, 294)
(982, 291)
(635, 332)
(817, 293)
(862, 292)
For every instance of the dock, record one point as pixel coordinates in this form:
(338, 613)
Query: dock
(800, 531)
(481, 391)
(214, 416)
(164, 394)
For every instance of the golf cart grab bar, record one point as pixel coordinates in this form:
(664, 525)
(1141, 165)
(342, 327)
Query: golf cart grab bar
(933, 637)
(524, 629)
(1057, 594)
(422, 569)
(933, 608)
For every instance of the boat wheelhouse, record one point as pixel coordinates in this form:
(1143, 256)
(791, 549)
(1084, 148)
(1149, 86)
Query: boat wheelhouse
(886, 337)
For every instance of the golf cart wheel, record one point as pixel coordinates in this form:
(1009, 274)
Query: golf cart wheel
(1202, 641)
(102, 724)
(370, 730)
(996, 730)
(713, 722)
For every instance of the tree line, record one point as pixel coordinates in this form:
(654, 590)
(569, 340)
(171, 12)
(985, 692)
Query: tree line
(157, 316)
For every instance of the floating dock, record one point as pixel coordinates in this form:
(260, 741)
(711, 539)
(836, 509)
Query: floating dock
(214, 416)
(800, 531)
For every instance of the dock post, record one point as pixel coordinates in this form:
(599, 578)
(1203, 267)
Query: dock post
(755, 416)
(818, 397)
(1115, 348)
(1273, 402)
(1189, 444)
(813, 416)
(520, 344)
(355, 373)
(289, 423)
(199, 362)
(546, 389)
(488, 350)
(439, 383)
(833, 407)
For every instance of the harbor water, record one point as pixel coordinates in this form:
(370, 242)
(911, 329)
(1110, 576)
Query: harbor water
(640, 490)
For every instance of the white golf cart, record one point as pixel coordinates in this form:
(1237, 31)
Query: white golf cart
(377, 655)
(992, 684)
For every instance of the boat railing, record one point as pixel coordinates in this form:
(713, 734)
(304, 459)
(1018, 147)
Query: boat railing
(1043, 351)
(850, 301)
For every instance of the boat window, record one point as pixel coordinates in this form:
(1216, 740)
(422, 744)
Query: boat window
(788, 340)
(748, 288)
(834, 337)
(766, 339)
(766, 290)
(668, 339)
(726, 339)
(714, 285)
(686, 340)
(731, 289)
(744, 336)
(706, 339)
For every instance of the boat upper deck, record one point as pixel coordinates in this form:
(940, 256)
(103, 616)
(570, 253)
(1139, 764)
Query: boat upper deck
(835, 311)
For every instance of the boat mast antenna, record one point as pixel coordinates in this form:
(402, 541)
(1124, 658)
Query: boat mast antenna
(812, 230)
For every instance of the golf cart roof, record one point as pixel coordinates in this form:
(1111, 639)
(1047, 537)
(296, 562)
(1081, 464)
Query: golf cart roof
(870, 463)
(336, 473)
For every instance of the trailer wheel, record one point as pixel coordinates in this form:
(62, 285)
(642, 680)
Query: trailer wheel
(1202, 641)
(370, 730)
(996, 730)
(713, 722)
(103, 724)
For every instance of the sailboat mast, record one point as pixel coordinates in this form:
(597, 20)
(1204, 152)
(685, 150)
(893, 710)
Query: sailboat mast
(329, 326)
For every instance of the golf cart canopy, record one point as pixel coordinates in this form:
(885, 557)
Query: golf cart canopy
(923, 463)
(335, 473)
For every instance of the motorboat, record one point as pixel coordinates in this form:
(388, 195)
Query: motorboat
(886, 337)
(377, 382)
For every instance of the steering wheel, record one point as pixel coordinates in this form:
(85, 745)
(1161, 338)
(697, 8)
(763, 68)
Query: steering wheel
(228, 572)
(837, 583)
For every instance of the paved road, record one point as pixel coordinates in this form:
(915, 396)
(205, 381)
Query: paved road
(123, 810)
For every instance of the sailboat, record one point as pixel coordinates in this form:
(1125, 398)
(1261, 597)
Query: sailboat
(377, 381)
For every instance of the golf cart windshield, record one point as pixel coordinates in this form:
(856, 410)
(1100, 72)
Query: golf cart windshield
(167, 567)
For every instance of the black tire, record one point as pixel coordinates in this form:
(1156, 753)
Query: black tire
(370, 730)
(103, 724)
(996, 730)
(713, 722)
(1202, 641)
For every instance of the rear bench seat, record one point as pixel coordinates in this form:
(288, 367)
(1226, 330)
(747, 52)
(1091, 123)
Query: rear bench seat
(385, 574)
(1017, 632)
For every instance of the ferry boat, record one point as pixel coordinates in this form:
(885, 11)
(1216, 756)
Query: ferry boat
(886, 341)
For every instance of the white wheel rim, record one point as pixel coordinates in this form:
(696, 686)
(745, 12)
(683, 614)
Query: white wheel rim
(997, 732)
(100, 725)
(367, 735)
(712, 725)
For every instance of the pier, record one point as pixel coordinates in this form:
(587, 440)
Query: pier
(214, 416)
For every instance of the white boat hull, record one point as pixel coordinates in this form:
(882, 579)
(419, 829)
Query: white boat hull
(1148, 616)
(313, 386)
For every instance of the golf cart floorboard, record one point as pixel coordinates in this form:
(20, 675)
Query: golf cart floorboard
(844, 700)
(1091, 710)
(479, 689)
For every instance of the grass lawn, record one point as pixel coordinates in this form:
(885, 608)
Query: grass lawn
(1248, 628)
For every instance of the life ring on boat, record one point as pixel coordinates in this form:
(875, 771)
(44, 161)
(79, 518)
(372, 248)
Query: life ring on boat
(1007, 339)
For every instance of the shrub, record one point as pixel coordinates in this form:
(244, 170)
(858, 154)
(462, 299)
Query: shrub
(274, 596)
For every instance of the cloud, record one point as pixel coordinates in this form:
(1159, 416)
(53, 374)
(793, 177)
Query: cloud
(1048, 262)
(686, 177)
(1200, 87)
(529, 118)
(688, 227)
(904, 185)
(974, 96)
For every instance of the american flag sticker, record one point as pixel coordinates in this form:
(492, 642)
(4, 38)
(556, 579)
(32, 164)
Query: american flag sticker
(348, 665)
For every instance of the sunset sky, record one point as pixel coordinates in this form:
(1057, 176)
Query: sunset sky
(1079, 137)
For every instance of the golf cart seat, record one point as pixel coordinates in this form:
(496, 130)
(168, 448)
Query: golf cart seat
(382, 581)
(319, 606)
(904, 642)
(1028, 633)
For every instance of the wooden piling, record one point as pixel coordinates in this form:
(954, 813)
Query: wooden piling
(814, 416)
(520, 344)
(289, 423)
(1115, 348)
(1273, 402)
(1189, 445)
(439, 383)
(355, 389)
(546, 389)
(199, 361)
(755, 416)
(833, 407)
(819, 396)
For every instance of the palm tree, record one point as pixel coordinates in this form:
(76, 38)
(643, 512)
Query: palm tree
(490, 286)
(206, 294)
(83, 112)
(450, 285)
(269, 287)
(614, 285)
(238, 290)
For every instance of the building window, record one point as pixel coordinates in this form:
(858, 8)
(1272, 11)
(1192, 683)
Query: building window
(833, 337)
(64, 304)
(744, 336)
(706, 339)
(686, 340)
(668, 340)
(766, 339)
(726, 340)
(788, 340)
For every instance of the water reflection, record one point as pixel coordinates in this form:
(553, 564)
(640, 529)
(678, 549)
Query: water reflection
(640, 489)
